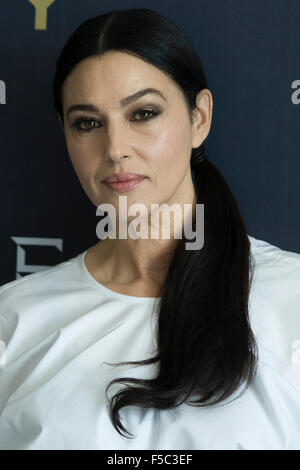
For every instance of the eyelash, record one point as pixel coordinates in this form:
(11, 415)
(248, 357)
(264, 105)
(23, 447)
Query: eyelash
(79, 121)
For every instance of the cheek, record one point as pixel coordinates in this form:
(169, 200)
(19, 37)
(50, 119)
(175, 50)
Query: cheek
(81, 160)
(171, 148)
(85, 167)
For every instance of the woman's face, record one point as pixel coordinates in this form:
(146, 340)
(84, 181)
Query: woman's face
(152, 135)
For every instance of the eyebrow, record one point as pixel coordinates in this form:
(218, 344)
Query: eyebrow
(124, 102)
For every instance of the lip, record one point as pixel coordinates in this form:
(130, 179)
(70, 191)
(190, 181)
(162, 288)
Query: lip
(125, 186)
(121, 177)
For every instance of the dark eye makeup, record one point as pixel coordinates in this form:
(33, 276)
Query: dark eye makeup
(143, 111)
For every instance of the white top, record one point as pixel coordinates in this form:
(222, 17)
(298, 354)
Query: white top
(60, 326)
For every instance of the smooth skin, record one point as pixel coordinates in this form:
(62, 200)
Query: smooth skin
(124, 138)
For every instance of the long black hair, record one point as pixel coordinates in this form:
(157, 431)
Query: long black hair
(205, 345)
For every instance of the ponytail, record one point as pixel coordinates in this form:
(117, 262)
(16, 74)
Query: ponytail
(206, 348)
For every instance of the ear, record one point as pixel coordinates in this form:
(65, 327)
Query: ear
(202, 117)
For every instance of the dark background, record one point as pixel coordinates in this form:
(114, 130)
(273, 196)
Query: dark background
(251, 55)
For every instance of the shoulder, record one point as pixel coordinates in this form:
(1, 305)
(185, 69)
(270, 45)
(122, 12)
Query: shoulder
(274, 307)
(268, 255)
(42, 284)
(276, 271)
(32, 307)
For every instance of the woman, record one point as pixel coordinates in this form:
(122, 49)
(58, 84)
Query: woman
(141, 343)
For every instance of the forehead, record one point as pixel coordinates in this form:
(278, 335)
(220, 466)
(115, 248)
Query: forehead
(115, 75)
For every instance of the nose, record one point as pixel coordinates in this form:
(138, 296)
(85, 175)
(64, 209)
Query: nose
(116, 144)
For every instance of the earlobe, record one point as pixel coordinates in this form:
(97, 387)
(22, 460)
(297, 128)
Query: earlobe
(197, 126)
(202, 115)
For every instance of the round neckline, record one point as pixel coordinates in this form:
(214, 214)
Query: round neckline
(106, 290)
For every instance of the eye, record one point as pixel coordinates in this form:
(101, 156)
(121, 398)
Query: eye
(79, 121)
(149, 111)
